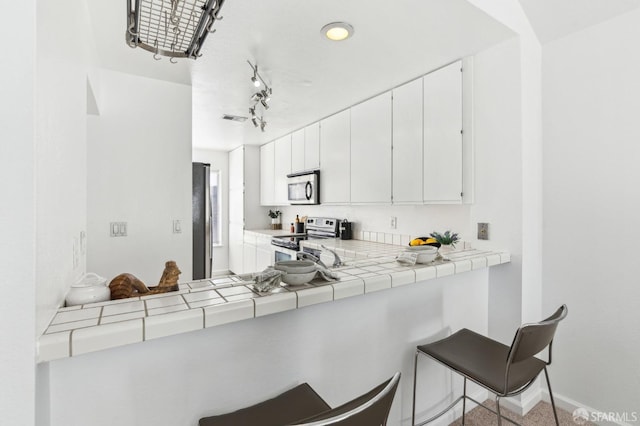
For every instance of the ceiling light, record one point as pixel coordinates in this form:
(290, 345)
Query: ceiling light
(337, 31)
(264, 104)
(266, 95)
(263, 124)
(254, 120)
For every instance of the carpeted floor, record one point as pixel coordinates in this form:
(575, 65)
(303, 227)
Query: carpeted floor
(540, 415)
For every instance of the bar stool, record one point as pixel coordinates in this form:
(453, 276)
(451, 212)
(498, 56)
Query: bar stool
(501, 369)
(302, 406)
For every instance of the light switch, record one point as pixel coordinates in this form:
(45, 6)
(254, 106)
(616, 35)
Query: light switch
(118, 229)
(177, 227)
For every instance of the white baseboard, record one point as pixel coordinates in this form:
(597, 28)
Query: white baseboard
(570, 405)
(448, 418)
(522, 407)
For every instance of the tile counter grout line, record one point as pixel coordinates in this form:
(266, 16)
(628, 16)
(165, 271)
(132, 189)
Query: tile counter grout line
(204, 314)
(144, 329)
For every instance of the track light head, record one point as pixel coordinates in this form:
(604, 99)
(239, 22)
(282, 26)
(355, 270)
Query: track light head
(255, 81)
(263, 124)
(264, 103)
(255, 122)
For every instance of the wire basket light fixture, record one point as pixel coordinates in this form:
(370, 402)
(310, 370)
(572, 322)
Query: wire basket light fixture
(173, 28)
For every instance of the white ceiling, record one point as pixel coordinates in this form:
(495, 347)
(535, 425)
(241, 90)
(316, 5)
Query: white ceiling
(311, 77)
(552, 19)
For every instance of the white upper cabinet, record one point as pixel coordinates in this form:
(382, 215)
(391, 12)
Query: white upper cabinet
(312, 146)
(305, 148)
(335, 158)
(443, 135)
(371, 150)
(297, 151)
(282, 167)
(407, 143)
(267, 175)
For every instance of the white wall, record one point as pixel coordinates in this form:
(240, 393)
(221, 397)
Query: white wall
(219, 160)
(498, 186)
(139, 172)
(17, 217)
(61, 143)
(340, 348)
(591, 99)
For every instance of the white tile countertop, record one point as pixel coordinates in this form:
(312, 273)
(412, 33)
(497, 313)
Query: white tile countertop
(208, 303)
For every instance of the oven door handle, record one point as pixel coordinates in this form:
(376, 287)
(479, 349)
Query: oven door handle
(308, 190)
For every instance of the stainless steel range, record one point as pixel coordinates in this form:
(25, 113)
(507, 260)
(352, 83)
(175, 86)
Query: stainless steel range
(316, 227)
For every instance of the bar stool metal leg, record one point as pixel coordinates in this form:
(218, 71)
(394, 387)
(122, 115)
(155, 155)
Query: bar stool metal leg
(464, 398)
(498, 409)
(553, 405)
(415, 373)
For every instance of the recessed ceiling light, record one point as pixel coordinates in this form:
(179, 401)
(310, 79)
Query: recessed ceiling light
(337, 31)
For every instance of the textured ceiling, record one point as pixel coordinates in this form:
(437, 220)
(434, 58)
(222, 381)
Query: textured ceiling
(311, 77)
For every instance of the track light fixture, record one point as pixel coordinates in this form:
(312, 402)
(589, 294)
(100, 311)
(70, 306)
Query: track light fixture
(261, 97)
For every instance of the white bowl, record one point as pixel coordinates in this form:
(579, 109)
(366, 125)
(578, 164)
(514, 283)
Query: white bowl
(90, 288)
(424, 247)
(295, 266)
(426, 257)
(297, 279)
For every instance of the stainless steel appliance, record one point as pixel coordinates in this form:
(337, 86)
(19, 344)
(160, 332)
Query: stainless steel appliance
(317, 228)
(304, 188)
(202, 220)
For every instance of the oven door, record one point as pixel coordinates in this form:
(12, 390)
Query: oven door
(281, 253)
(304, 188)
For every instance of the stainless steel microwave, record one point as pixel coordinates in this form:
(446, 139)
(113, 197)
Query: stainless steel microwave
(304, 187)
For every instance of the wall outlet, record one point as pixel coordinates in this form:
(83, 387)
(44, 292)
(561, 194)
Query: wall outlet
(393, 222)
(483, 231)
(118, 229)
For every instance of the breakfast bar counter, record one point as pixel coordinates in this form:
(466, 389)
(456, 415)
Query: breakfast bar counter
(369, 268)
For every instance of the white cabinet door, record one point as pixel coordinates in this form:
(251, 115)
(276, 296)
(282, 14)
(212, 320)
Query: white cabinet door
(236, 168)
(266, 174)
(443, 135)
(264, 258)
(407, 143)
(297, 151)
(282, 167)
(335, 155)
(249, 258)
(312, 146)
(236, 248)
(371, 150)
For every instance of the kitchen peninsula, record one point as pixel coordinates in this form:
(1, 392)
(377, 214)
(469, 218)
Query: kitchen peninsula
(369, 267)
